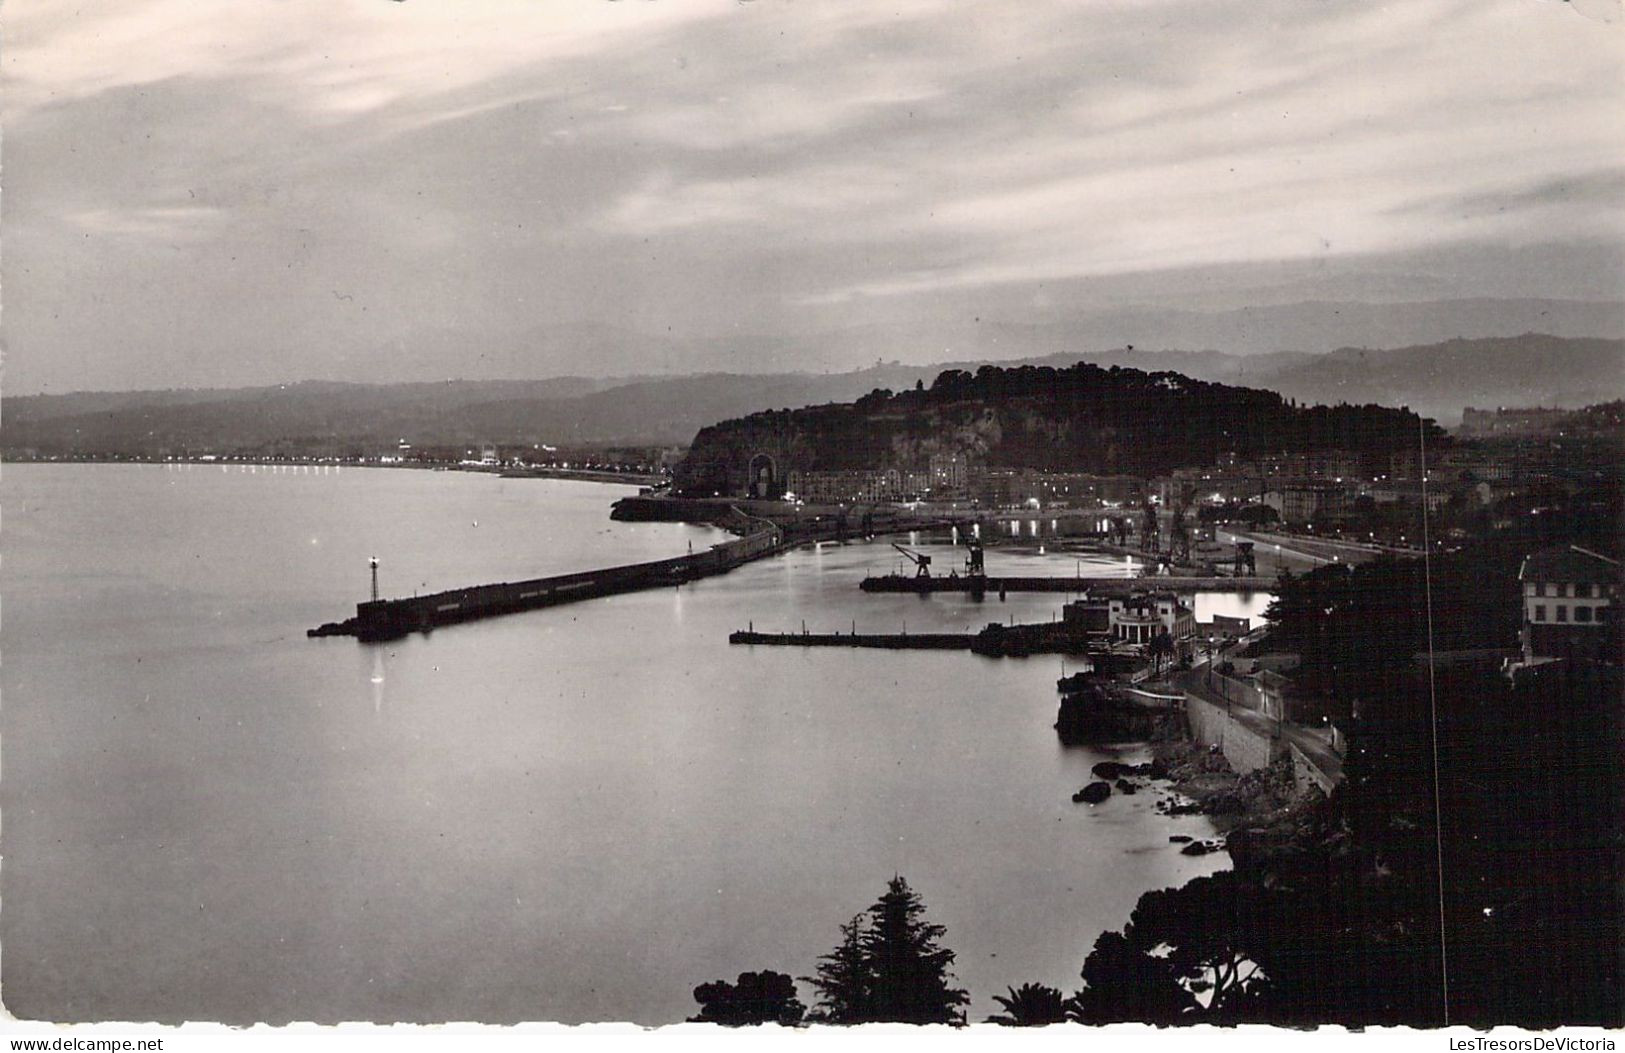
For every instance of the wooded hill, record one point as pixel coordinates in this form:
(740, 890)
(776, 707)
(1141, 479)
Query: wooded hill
(1084, 418)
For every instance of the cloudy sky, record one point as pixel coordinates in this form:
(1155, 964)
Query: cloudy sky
(272, 190)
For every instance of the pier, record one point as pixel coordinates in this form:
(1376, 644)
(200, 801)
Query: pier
(995, 641)
(391, 619)
(1095, 586)
(887, 641)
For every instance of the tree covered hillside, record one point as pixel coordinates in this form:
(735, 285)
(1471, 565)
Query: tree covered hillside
(1084, 418)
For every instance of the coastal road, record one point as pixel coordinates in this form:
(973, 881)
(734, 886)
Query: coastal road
(1314, 743)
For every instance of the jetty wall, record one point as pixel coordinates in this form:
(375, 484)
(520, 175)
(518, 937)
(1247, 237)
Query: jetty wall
(391, 619)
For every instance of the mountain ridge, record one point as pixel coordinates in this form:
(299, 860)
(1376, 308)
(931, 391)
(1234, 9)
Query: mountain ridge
(1437, 380)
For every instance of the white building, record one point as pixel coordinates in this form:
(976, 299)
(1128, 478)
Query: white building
(1568, 604)
(1143, 617)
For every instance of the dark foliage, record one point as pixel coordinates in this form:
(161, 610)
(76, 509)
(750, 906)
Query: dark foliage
(1030, 1005)
(908, 966)
(843, 981)
(1122, 983)
(1355, 624)
(889, 967)
(756, 998)
(1345, 929)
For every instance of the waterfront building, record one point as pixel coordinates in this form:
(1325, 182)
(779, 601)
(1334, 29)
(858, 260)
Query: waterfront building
(854, 485)
(1142, 617)
(1410, 492)
(1223, 628)
(947, 472)
(1088, 615)
(996, 487)
(1569, 594)
(1300, 502)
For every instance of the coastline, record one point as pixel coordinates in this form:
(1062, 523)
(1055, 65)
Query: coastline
(1256, 815)
(568, 474)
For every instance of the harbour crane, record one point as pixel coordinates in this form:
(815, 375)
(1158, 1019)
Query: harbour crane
(919, 559)
(1148, 525)
(974, 565)
(1179, 535)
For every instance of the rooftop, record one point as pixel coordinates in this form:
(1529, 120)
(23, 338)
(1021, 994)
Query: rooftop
(1569, 563)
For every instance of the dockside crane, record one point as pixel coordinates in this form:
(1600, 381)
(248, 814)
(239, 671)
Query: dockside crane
(921, 561)
(1179, 535)
(974, 565)
(1148, 525)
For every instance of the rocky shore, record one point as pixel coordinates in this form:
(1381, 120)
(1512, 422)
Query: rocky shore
(1262, 815)
(1091, 712)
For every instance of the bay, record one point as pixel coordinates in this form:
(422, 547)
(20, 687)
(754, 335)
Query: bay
(571, 814)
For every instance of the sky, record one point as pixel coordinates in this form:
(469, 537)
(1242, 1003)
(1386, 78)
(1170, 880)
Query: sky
(209, 194)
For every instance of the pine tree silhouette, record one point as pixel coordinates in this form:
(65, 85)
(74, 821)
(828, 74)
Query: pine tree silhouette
(909, 968)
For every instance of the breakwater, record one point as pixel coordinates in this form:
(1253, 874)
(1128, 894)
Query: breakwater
(1095, 586)
(765, 525)
(391, 619)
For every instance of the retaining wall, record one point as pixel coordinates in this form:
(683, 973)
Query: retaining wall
(1244, 748)
(1305, 773)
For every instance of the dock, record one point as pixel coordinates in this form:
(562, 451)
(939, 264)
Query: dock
(887, 641)
(995, 641)
(1094, 586)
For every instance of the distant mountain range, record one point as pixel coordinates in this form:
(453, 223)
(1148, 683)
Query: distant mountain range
(1437, 380)
(1310, 327)
(486, 349)
(1257, 332)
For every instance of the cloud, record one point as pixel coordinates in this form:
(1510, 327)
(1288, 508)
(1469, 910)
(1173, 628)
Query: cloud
(185, 189)
(1601, 190)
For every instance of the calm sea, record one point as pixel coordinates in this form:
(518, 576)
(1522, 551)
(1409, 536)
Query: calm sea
(572, 814)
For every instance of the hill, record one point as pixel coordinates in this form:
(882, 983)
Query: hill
(1084, 418)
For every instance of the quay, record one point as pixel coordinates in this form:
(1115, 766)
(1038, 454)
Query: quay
(888, 641)
(995, 641)
(1096, 586)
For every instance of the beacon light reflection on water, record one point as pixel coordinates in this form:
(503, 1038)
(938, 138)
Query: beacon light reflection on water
(377, 680)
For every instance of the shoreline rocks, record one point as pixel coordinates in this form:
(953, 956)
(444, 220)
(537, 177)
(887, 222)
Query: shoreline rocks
(1094, 793)
(1111, 769)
